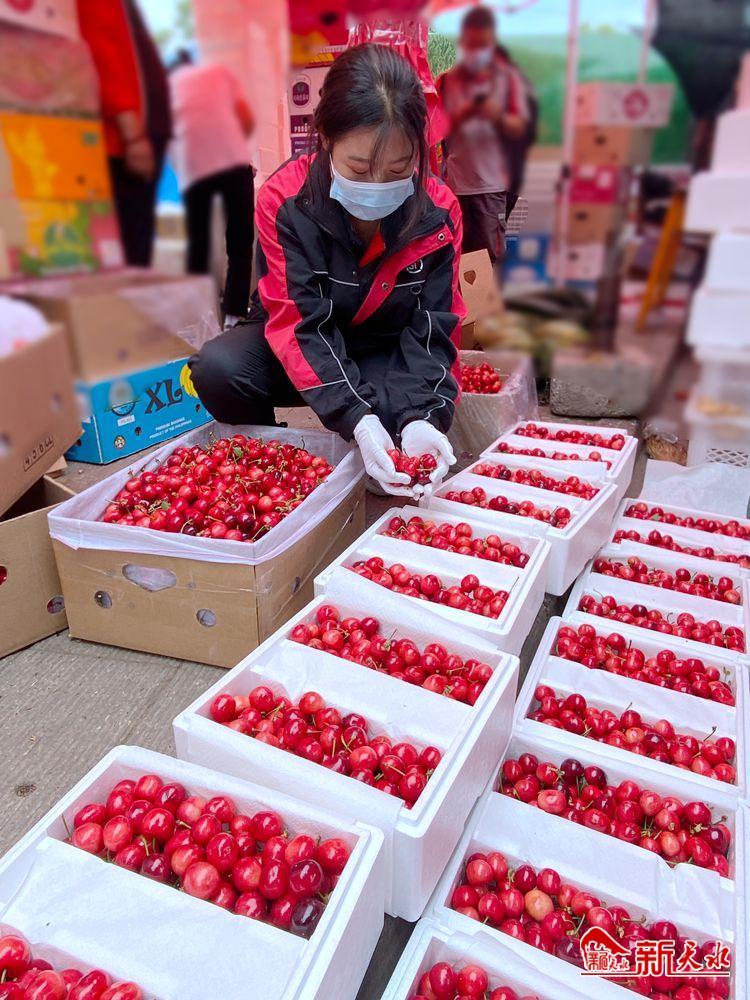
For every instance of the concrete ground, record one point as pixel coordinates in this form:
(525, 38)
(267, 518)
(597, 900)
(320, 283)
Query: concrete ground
(66, 702)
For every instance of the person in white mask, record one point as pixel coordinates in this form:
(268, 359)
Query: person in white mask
(485, 99)
(358, 310)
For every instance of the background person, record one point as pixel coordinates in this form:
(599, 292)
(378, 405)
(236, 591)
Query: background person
(485, 99)
(212, 123)
(358, 307)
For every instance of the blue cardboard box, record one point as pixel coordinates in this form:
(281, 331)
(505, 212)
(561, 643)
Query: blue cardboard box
(126, 414)
(527, 248)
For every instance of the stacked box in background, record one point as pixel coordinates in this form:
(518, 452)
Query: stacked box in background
(531, 224)
(718, 410)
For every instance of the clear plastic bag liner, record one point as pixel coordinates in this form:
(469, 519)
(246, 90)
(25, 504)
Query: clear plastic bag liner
(185, 308)
(75, 523)
(713, 487)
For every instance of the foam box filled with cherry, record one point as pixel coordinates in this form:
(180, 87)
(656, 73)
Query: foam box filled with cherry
(56, 887)
(536, 891)
(497, 599)
(400, 702)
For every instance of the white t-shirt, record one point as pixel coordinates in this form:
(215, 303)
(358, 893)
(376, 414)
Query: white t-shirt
(208, 137)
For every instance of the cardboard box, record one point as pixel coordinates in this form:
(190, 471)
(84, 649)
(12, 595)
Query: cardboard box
(599, 185)
(612, 145)
(213, 612)
(31, 602)
(52, 237)
(51, 157)
(480, 292)
(585, 262)
(59, 17)
(38, 413)
(527, 248)
(126, 414)
(124, 321)
(590, 223)
(645, 105)
(46, 73)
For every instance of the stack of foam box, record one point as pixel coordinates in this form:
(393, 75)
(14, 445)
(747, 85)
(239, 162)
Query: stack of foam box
(718, 410)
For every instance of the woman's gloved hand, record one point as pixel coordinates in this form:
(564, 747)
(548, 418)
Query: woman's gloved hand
(421, 438)
(374, 443)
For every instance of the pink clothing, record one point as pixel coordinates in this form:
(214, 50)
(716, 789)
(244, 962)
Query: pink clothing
(208, 136)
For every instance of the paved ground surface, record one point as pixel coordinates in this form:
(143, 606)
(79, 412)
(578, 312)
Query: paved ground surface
(64, 703)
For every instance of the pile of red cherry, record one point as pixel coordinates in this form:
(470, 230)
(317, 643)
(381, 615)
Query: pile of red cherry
(678, 831)
(686, 626)
(572, 486)
(470, 595)
(471, 982)
(457, 538)
(572, 436)
(556, 456)
(23, 977)
(249, 865)
(731, 528)
(238, 488)
(476, 497)
(628, 731)
(539, 908)
(661, 541)
(681, 580)
(320, 733)
(665, 668)
(360, 640)
(481, 379)
(419, 468)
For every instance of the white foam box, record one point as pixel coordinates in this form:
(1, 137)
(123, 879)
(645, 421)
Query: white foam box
(524, 586)
(719, 319)
(670, 602)
(418, 841)
(432, 942)
(718, 202)
(689, 879)
(692, 537)
(571, 546)
(52, 891)
(594, 863)
(618, 465)
(689, 715)
(731, 149)
(728, 267)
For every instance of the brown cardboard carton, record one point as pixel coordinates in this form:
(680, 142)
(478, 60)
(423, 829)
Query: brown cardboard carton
(123, 321)
(593, 223)
(612, 145)
(210, 612)
(39, 417)
(31, 603)
(480, 292)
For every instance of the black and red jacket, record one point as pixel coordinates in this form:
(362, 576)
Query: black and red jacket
(360, 330)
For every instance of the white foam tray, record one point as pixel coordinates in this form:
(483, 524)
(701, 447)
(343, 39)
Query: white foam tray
(669, 602)
(525, 586)
(418, 841)
(696, 716)
(620, 470)
(431, 942)
(56, 893)
(571, 546)
(719, 319)
(588, 861)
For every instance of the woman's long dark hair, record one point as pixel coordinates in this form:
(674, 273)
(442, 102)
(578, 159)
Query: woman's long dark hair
(371, 86)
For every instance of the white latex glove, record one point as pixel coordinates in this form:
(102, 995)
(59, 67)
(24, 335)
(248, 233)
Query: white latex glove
(374, 443)
(421, 438)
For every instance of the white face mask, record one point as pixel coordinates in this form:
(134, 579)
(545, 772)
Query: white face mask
(476, 60)
(369, 201)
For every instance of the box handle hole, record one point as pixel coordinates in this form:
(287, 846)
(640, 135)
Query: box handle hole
(103, 599)
(151, 578)
(56, 604)
(206, 617)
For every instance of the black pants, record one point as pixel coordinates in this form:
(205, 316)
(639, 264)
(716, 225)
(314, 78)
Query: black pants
(135, 204)
(236, 189)
(484, 223)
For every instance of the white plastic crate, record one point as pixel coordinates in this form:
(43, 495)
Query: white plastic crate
(696, 716)
(669, 602)
(591, 862)
(52, 891)
(480, 418)
(728, 266)
(432, 942)
(571, 546)
(620, 463)
(418, 841)
(714, 436)
(525, 586)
